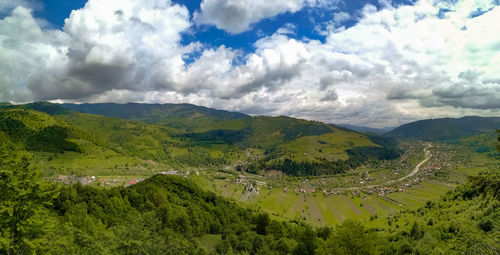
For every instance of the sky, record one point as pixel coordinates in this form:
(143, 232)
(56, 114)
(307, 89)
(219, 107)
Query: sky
(374, 63)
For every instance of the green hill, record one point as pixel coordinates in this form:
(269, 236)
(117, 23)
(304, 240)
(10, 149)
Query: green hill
(364, 129)
(252, 144)
(186, 116)
(445, 129)
(172, 215)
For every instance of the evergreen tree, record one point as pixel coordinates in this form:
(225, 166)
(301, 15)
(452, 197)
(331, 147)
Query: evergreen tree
(498, 145)
(23, 199)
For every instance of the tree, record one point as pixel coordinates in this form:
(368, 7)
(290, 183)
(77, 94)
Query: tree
(261, 221)
(350, 238)
(24, 198)
(498, 145)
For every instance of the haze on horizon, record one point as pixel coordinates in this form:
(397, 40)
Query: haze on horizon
(371, 63)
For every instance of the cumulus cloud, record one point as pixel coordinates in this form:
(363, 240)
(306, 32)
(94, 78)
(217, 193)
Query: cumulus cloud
(396, 64)
(103, 46)
(238, 16)
(7, 6)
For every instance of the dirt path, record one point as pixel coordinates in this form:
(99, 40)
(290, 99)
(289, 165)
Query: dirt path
(415, 170)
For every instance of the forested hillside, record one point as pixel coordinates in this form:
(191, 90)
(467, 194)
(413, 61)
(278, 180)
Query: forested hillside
(445, 129)
(254, 144)
(171, 215)
(186, 116)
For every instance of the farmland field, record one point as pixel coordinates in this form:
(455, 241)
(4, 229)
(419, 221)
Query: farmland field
(304, 198)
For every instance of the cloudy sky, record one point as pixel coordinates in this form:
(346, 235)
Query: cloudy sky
(374, 63)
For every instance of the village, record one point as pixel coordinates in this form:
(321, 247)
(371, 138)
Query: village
(439, 161)
(110, 181)
(93, 180)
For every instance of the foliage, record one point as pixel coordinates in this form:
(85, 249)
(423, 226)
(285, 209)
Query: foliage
(445, 129)
(184, 116)
(23, 204)
(166, 215)
(357, 156)
(51, 139)
(351, 238)
(218, 136)
(498, 139)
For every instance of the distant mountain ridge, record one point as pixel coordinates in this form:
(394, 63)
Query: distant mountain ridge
(173, 115)
(445, 128)
(364, 129)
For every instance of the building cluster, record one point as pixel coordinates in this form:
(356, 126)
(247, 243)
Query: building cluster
(171, 172)
(331, 192)
(442, 160)
(250, 185)
(152, 162)
(87, 180)
(304, 190)
(382, 191)
(73, 179)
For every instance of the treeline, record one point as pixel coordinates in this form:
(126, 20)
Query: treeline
(161, 215)
(167, 215)
(53, 138)
(218, 136)
(357, 157)
(296, 168)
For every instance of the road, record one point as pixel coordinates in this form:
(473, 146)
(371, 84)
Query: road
(428, 155)
(415, 170)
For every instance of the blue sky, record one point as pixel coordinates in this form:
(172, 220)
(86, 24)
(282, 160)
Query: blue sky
(374, 63)
(305, 21)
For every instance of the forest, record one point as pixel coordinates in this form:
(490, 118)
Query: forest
(169, 215)
(357, 157)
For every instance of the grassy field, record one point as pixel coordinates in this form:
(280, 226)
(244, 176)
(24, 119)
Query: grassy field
(331, 146)
(449, 166)
(319, 209)
(118, 151)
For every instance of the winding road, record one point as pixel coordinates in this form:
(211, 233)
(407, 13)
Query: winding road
(428, 155)
(415, 170)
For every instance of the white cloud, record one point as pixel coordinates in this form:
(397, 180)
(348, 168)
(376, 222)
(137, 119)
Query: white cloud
(238, 16)
(6, 6)
(105, 45)
(397, 64)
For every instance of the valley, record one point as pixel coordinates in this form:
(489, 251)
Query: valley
(310, 175)
(364, 194)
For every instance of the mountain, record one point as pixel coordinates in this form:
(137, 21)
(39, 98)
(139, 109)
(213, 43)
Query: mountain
(185, 116)
(363, 129)
(166, 214)
(445, 128)
(256, 144)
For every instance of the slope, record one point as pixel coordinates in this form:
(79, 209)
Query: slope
(186, 116)
(364, 129)
(240, 141)
(445, 128)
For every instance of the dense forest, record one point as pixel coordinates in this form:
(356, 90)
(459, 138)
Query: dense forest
(357, 156)
(255, 143)
(169, 215)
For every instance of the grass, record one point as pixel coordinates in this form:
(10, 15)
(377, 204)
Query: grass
(209, 241)
(130, 149)
(331, 146)
(317, 209)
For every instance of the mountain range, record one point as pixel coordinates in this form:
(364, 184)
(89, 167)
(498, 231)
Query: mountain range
(445, 129)
(193, 117)
(183, 136)
(364, 129)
